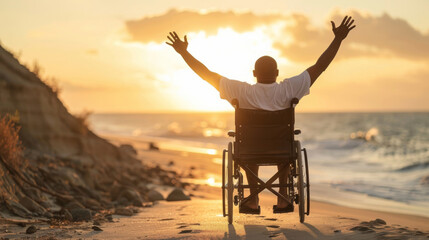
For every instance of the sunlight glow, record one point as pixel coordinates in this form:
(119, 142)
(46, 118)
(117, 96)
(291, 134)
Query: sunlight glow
(231, 54)
(212, 182)
(211, 151)
(228, 53)
(213, 132)
(217, 161)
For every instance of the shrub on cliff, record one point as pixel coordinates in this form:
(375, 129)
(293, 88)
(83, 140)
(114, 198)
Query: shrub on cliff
(10, 145)
(82, 118)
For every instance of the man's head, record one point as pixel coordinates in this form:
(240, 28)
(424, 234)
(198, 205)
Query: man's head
(266, 70)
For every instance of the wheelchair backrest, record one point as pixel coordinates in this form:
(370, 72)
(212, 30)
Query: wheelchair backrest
(264, 132)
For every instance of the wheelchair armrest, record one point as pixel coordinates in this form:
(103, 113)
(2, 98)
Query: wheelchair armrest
(297, 132)
(231, 133)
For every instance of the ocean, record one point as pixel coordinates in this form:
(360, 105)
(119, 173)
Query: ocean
(368, 160)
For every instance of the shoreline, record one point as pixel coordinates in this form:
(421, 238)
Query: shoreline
(322, 192)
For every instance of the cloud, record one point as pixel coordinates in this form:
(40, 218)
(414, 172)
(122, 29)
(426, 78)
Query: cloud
(156, 28)
(393, 34)
(374, 36)
(377, 36)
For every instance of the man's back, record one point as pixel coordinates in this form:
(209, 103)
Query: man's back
(272, 97)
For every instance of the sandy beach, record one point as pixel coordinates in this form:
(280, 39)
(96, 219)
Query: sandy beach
(201, 217)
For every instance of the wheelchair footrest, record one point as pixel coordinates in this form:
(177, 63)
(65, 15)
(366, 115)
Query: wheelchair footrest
(247, 210)
(288, 208)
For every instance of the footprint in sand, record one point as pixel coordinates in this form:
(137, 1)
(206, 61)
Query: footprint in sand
(273, 235)
(361, 229)
(185, 231)
(181, 208)
(381, 234)
(166, 219)
(273, 226)
(95, 228)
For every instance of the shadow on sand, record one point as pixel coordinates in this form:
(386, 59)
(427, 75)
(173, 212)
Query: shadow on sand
(268, 232)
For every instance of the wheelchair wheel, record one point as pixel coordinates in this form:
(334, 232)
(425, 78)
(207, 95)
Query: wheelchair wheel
(301, 184)
(230, 184)
(307, 181)
(223, 182)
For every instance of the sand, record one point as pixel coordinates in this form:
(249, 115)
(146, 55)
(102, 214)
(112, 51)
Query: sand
(201, 217)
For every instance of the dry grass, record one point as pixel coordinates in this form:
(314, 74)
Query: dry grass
(82, 118)
(10, 145)
(50, 82)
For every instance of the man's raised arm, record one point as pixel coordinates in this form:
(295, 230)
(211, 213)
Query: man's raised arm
(199, 68)
(326, 58)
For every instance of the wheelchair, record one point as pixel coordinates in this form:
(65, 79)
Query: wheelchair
(265, 138)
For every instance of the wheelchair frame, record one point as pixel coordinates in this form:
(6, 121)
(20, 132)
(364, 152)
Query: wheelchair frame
(298, 193)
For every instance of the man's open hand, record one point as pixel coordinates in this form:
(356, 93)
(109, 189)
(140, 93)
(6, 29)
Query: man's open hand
(343, 30)
(178, 45)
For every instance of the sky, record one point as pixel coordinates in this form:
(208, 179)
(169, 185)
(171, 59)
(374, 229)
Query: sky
(110, 57)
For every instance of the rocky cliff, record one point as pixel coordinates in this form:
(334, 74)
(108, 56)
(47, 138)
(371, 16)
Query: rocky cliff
(64, 165)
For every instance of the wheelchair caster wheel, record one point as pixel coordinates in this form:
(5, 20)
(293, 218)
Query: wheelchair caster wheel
(297, 199)
(236, 200)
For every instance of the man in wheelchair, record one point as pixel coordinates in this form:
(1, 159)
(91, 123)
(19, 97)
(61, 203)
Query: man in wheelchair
(267, 95)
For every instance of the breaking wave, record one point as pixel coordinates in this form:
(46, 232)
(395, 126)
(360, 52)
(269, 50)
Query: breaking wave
(414, 166)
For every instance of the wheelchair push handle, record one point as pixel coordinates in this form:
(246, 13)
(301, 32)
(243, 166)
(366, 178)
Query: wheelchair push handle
(294, 101)
(234, 103)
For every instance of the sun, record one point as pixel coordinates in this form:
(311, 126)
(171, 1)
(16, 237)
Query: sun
(227, 53)
(194, 94)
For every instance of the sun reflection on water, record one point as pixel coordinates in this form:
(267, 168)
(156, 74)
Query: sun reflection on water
(211, 151)
(212, 182)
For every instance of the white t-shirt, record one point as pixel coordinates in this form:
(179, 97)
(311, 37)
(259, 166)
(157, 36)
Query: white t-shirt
(272, 97)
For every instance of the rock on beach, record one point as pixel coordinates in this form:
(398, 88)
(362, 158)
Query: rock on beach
(177, 195)
(81, 214)
(154, 195)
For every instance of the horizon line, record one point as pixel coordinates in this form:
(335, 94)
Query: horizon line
(232, 111)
